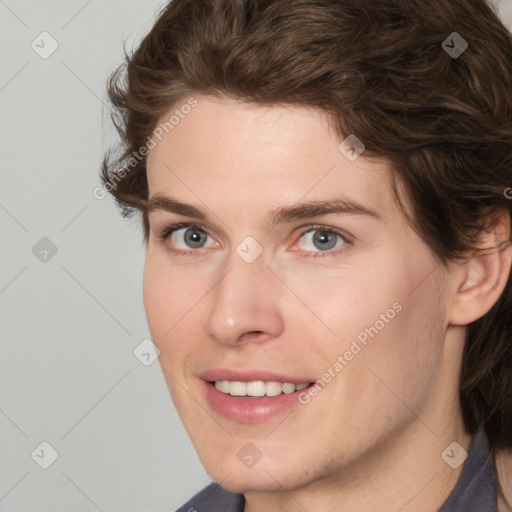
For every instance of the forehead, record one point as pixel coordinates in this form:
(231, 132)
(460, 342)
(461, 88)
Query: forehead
(229, 152)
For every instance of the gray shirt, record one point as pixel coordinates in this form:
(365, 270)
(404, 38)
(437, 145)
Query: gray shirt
(475, 490)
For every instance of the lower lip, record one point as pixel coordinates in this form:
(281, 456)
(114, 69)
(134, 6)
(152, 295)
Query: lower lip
(248, 409)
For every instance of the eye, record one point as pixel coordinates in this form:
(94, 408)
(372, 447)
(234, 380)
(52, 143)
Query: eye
(190, 236)
(194, 238)
(325, 239)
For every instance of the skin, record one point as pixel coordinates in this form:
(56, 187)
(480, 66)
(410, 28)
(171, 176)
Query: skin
(373, 437)
(504, 473)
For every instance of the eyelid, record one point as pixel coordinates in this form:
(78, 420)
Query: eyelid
(167, 230)
(328, 229)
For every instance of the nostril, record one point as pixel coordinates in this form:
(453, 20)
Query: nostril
(252, 334)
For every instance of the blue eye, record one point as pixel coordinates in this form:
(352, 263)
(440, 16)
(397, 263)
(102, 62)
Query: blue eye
(195, 237)
(325, 239)
(193, 234)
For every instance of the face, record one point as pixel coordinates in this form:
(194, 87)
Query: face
(253, 287)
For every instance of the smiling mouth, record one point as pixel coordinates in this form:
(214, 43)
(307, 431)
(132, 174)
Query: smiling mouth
(258, 388)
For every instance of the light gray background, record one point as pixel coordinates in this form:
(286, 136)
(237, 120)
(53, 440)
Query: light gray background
(69, 324)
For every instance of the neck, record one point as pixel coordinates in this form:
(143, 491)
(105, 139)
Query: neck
(504, 474)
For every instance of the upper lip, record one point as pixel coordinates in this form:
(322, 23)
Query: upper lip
(250, 375)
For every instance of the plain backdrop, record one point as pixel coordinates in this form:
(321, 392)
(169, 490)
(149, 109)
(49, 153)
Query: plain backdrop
(86, 424)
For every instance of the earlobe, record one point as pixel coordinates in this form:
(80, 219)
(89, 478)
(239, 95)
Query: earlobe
(484, 276)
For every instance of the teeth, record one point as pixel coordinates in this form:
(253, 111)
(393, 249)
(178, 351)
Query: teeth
(258, 387)
(254, 388)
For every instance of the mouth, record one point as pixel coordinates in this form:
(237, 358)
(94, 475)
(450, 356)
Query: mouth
(252, 395)
(258, 388)
(253, 401)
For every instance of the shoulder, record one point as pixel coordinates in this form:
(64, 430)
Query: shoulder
(213, 498)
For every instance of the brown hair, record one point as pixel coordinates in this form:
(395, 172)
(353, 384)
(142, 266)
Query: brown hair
(382, 71)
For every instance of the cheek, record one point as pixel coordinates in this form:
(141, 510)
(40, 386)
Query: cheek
(155, 300)
(166, 292)
(351, 310)
(169, 301)
(161, 308)
(401, 361)
(164, 298)
(392, 338)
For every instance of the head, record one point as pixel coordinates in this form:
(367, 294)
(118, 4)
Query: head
(247, 111)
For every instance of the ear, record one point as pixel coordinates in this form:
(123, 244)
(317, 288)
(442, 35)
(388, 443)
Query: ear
(482, 278)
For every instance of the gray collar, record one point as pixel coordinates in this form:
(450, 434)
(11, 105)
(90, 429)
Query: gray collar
(476, 488)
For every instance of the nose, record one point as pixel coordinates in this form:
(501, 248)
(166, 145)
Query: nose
(244, 306)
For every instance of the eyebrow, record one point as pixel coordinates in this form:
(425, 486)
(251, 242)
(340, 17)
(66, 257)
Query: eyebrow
(282, 214)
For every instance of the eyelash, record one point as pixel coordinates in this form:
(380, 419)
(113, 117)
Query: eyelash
(169, 230)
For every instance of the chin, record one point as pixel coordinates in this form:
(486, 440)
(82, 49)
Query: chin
(263, 476)
(251, 481)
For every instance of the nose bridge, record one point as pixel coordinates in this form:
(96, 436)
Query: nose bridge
(244, 299)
